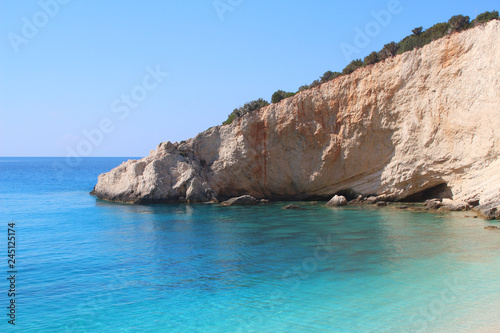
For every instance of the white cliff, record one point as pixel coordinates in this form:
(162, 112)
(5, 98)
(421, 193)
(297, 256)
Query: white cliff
(424, 118)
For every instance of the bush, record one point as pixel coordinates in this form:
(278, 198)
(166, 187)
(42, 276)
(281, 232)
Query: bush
(410, 43)
(280, 95)
(329, 75)
(389, 50)
(485, 17)
(315, 84)
(459, 22)
(417, 31)
(355, 64)
(304, 87)
(437, 31)
(372, 58)
(248, 107)
(419, 38)
(231, 117)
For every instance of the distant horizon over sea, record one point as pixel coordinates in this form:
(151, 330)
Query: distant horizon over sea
(87, 265)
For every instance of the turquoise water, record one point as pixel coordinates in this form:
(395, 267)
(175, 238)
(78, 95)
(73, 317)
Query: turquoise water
(86, 265)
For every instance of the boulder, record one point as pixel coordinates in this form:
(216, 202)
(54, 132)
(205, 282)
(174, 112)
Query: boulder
(433, 204)
(357, 201)
(381, 204)
(454, 206)
(337, 201)
(241, 201)
(371, 200)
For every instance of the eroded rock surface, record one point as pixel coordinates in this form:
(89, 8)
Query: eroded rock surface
(424, 118)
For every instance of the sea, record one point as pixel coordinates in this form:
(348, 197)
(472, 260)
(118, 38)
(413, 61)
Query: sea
(86, 265)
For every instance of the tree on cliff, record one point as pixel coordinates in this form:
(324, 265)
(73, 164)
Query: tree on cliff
(248, 107)
(315, 83)
(417, 31)
(280, 95)
(329, 75)
(459, 22)
(485, 17)
(355, 64)
(389, 50)
(303, 87)
(372, 58)
(419, 38)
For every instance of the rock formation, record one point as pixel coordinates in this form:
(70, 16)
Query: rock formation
(244, 200)
(337, 201)
(429, 117)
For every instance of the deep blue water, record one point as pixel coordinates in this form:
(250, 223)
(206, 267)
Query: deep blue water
(86, 265)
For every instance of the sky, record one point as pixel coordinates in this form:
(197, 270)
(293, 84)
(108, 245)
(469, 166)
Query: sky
(116, 78)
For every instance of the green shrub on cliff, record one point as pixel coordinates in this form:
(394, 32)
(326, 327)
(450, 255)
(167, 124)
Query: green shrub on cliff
(329, 75)
(459, 22)
(417, 31)
(280, 95)
(248, 107)
(302, 88)
(435, 32)
(355, 64)
(372, 58)
(410, 43)
(389, 50)
(419, 38)
(485, 17)
(315, 83)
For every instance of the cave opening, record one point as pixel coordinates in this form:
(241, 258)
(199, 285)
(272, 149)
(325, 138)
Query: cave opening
(349, 194)
(440, 191)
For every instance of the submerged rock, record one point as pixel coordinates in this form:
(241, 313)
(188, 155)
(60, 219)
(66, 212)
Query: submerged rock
(241, 201)
(492, 228)
(292, 207)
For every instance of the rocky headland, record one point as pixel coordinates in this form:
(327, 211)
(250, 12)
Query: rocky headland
(418, 126)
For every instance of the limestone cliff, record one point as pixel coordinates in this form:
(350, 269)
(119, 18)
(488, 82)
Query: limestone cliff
(424, 118)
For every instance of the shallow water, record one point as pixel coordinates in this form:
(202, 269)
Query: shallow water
(86, 265)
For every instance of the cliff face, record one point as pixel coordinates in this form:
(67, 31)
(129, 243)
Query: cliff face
(427, 117)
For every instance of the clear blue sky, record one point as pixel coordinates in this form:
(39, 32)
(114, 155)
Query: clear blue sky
(69, 74)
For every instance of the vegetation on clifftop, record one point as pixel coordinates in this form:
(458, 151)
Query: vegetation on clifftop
(248, 107)
(417, 39)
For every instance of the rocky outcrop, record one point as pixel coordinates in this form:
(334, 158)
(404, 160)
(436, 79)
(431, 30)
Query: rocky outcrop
(454, 206)
(423, 119)
(337, 201)
(433, 204)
